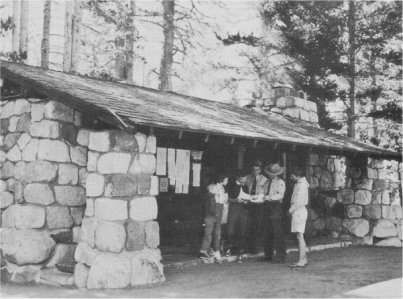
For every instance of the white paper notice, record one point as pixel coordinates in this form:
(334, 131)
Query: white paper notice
(185, 188)
(186, 167)
(196, 174)
(161, 161)
(171, 166)
(178, 187)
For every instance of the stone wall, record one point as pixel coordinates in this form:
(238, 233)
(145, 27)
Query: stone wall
(355, 197)
(292, 104)
(43, 169)
(119, 236)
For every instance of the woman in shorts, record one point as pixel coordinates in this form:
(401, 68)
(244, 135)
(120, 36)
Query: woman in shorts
(299, 213)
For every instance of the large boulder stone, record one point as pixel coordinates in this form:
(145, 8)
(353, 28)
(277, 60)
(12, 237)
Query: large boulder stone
(377, 197)
(365, 184)
(399, 229)
(36, 171)
(77, 213)
(111, 209)
(354, 211)
(81, 275)
(358, 227)
(152, 230)
(379, 185)
(82, 176)
(377, 163)
(53, 150)
(88, 227)
(122, 141)
(68, 174)
(146, 268)
(385, 197)
(151, 144)
(143, 163)
(362, 197)
(372, 212)
(113, 163)
(89, 207)
(30, 151)
(68, 133)
(141, 141)
(7, 170)
(7, 110)
(37, 112)
(154, 188)
(109, 271)
(123, 185)
(345, 196)
(110, 236)
(26, 246)
(391, 212)
(85, 254)
(143, 208)
(24, 123)
(83, 137)
(78, 155)
(14, 154)
(58, 217)
(21, 106)
(135, 235)
(24, 217)
(143, 183)
(63, 253)
(339, 180)
(390, 242)
(92, 161)
(38, 193)
(384, 229)
(56, 110)
(99, 141)
(95, 184)
(23, 140)
(70, 195)
(45, 129)
(6, 199)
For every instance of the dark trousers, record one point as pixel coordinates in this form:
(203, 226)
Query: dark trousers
(212, 231)
(255, 219)
(274, 231)
(237, 225)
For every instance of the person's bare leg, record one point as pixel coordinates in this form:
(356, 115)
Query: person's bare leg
(301, 248)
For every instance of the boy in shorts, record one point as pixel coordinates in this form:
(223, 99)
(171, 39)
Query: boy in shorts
(299, 213)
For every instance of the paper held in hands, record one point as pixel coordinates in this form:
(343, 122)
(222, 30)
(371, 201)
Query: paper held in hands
(257, 198)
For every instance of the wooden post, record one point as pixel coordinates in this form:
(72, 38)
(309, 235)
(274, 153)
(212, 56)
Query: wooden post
(180, 134)
(232, 140)
(275, 145)
(241, 153)
(206, 139)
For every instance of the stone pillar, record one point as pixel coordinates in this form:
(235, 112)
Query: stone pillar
(119, 235)
(42, 195)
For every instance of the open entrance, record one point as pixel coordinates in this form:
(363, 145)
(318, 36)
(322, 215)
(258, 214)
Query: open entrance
(180, 214)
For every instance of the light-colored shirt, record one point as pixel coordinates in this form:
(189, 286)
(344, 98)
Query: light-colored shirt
(300, 195)
(261, 186)
(277, 190)
(221, 196)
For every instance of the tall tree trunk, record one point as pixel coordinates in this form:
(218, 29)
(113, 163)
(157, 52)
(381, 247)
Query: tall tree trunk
(16, 28)
(76, 36)
(130, 44)
(167, 52)
(45, 35)
(68, 36)
(351, 72)
(24, 29)
(374, 95)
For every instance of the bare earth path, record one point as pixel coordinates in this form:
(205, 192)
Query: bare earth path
(330, 272)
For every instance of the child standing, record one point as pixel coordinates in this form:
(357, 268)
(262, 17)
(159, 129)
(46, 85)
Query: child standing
(209, 220)
(299, 213)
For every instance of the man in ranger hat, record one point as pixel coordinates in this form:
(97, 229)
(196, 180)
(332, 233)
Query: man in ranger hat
(273, 212)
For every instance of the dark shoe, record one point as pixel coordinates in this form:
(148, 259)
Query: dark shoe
(240, 259)
(204, 255)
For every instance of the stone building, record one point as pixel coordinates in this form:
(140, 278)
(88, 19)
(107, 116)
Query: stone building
(79, 182)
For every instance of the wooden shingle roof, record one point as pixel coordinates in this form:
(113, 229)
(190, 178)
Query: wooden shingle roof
(149, 107)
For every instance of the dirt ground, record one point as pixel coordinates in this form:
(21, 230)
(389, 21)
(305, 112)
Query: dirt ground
(329, 273)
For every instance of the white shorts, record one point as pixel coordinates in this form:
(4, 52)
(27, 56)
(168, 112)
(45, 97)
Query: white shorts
(298, 220)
